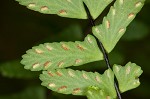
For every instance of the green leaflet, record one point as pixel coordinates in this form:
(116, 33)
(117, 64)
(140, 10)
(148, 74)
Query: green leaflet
(67, 8)
(68, 81)
(96, 6)
(127, 76)
(93, 85)
(118, 18)
(60, 55)
(96, 93)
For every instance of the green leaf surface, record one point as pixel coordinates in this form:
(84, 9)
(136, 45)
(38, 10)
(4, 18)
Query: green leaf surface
(68, 81)
(127, 76)
(13, 69)
(67, 8)
(115, 23)
(60, 55)
(96, 93)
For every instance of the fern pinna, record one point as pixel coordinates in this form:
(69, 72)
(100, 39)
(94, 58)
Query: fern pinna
(53, 58)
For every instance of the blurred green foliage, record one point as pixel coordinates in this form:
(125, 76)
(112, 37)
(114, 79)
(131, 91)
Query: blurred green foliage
(13, 69)
(22, 28)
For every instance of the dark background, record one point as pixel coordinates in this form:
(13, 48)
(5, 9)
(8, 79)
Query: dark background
(21, 28)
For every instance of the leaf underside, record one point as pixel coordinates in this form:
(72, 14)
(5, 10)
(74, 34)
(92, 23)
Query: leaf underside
(92, 85)
(127, 76)
(67, 8)
(68, 81)
(53, 56)
(60, 55)
(115, 23)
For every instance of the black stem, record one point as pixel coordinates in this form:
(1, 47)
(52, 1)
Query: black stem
(102, 49)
